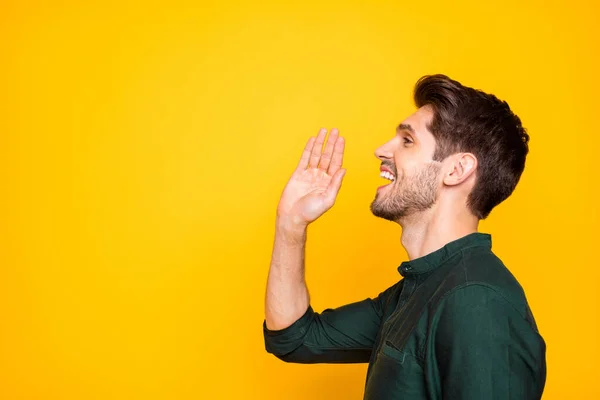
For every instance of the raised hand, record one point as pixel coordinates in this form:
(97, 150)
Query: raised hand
(315, 183)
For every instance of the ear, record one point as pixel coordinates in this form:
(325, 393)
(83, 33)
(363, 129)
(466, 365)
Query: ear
(461, 167)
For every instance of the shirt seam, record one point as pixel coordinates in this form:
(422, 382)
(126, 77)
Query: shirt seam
(482, 284)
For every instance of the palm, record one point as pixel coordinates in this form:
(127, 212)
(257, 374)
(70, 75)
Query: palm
(314, 185)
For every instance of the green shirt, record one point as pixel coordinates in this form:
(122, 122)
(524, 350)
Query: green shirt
(457, 326)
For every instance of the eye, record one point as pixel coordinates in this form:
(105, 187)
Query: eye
(407, 140)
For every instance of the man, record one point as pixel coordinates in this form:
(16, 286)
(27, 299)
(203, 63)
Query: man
(457, 326)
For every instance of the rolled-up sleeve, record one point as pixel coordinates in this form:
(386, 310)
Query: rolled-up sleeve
(342, 335)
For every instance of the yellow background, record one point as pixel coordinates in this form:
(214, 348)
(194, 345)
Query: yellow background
(144, 147)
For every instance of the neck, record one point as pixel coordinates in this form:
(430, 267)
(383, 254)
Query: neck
(430, 230)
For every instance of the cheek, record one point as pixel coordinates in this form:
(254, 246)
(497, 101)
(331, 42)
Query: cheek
(406, 160)
(405, 169)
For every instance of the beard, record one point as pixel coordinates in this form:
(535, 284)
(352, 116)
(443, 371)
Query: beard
(408, 195)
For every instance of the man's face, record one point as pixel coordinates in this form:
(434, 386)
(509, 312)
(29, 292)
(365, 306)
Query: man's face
(408, 160)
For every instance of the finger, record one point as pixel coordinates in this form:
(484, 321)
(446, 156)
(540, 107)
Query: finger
(338, 156)
(334, 187)
(315, 155)
(328, 152)
(306, 155)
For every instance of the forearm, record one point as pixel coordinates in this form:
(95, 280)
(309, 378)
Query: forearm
(287, 297)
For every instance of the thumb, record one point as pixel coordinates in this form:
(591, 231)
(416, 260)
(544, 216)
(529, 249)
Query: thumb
(335, 185)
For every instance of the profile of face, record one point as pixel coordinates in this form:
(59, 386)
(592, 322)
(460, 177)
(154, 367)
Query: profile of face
(407, 161)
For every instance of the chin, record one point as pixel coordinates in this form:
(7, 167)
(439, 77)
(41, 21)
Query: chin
(380, 212)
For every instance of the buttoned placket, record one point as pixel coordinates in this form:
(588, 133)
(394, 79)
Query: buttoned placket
(408, 288)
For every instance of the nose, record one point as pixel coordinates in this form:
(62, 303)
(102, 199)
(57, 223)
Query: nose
(384, 152)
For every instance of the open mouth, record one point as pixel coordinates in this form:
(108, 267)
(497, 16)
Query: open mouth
(387, 175)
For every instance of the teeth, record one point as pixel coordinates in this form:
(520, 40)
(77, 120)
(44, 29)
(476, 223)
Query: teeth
(387, 175)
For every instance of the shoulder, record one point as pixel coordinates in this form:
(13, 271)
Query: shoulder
(473, 297)
(475, 309)
(478, 276)
(476, 315)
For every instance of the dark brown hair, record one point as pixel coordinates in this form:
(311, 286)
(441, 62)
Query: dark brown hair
(469, 120)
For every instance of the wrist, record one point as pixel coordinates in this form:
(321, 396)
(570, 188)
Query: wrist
(291, 228)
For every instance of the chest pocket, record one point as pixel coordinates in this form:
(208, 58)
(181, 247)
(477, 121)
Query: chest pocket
(395, 375)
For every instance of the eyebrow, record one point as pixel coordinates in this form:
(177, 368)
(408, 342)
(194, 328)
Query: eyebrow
(406, 127)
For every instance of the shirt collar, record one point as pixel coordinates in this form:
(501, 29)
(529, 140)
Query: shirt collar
(434, 259)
